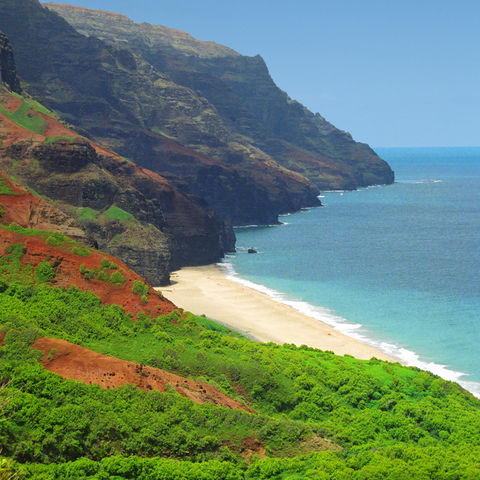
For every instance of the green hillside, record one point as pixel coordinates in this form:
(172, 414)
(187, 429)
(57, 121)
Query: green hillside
(317, 415)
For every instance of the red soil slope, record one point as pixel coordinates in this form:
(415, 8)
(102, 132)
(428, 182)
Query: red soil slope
(78, 363)
(11, 133)
(29, 211)
(67, 268)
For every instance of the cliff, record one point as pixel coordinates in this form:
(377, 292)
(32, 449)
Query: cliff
(246, 98)
(116, 97)
(8, 70)
(122, 208)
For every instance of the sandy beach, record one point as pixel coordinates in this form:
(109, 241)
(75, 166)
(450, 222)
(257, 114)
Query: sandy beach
(206, 290)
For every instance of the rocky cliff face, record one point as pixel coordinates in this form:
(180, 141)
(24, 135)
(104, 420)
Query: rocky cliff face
(248, 101)
(122, 101)
(22, 207)
(127, 210)
(8, 71)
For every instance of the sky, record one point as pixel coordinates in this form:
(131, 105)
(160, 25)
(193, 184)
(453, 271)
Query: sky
(390, 72)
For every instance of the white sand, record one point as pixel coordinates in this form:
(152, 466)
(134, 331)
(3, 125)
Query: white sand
(206, 290)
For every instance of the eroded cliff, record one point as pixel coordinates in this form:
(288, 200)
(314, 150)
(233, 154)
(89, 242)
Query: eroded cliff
(121, 100)
(246, 98)
(124, 209)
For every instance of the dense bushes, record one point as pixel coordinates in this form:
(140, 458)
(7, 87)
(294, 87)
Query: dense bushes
(382, 421)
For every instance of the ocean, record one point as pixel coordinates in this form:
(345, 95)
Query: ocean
(396, 266)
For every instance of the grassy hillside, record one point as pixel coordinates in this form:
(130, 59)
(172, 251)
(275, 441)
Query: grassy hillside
(316, 415)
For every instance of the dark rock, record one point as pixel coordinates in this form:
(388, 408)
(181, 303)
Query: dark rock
(155, 229)
(124, 102)
(246, 98)
(8, 71)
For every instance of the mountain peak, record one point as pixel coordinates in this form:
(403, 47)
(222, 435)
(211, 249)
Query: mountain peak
(85, 20)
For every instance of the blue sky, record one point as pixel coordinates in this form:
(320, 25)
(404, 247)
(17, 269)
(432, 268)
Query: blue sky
(392, 73)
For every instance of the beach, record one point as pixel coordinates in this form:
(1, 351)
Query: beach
(207, 290)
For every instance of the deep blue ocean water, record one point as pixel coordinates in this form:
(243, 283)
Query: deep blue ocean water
(398, 266)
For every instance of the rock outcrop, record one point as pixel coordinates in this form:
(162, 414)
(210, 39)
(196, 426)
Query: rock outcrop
(8, 70)
(127, 210)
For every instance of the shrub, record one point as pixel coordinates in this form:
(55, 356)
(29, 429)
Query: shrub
(87, 273)
(139, 288)
(80, 251)
(55, 240)
(105, 263)
(44, 272)
(102, 275)
(117, 278)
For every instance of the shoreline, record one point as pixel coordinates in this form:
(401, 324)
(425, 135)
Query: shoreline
(207, 290)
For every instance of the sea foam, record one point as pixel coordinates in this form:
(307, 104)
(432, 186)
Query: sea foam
(354, 330)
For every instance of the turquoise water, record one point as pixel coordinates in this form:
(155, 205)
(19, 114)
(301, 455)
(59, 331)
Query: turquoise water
(397, 266)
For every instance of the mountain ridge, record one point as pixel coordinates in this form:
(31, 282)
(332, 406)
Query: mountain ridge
(121, 101)
(247, 99)
(105, 200)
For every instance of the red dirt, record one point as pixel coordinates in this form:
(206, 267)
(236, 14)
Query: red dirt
(78, 363)
(12, 104)
(53, 128)
(252, 446)
(67, 268)
(11, 133)
(2, 338)
(20, 205)
(22, 208)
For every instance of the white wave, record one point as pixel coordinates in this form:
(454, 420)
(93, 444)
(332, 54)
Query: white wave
(420, 182)
(354, 330)
(239, 227)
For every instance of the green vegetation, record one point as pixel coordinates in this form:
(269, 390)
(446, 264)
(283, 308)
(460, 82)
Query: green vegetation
(107, 264)
(5, 188)
(86, 213)
(102, 272)
(139, 288)
(44, 272)
(39, 195)
(117, 278)
(318, 415)
(27, 115)
(54, 239)
(81, 251)
(51, 140)
(116, 213)
(2, 211)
